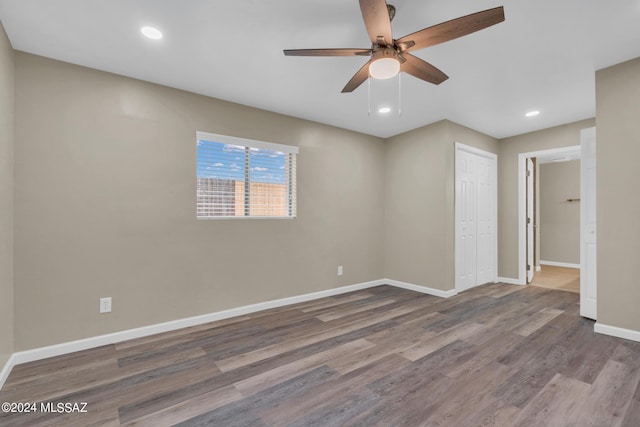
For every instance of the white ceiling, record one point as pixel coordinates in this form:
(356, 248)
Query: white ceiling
(542, 57)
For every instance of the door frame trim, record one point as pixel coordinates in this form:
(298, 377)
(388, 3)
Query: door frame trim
(522, 203)
(486, 154)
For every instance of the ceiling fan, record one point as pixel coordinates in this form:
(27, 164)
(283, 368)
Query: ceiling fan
(389, 56)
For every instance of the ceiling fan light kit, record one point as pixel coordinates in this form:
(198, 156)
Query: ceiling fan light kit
(390, 56)
(384, 64)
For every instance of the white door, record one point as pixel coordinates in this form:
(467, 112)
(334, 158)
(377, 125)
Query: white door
(475, 217)
(530, 222)
(465, 245)
(485, 209)
(588, 285)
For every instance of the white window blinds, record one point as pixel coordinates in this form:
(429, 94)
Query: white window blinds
(240, 178)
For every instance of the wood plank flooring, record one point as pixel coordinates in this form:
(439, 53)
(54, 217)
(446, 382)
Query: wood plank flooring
(497, 355)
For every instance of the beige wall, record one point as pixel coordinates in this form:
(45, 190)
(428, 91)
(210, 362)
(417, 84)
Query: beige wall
(618, 205)
(419, 202)
(106, 206)
(6, 198)
(555, 137)
(559, 219)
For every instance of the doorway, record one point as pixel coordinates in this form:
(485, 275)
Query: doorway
(553, 221)
(586, 200)
(529, 206)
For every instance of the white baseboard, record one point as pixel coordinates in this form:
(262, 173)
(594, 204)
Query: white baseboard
(422, 289)
(84, 344)
(559, 264)
(614, 331)
(510, 281)
(92, 342)
(538, 268)
(87, 343)
(6, 370)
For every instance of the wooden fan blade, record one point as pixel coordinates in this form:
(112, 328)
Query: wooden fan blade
(453, 29)
(376, 19)
(422, 69)
(360, 77)
(327, 52)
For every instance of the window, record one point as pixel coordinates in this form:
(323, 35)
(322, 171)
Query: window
(240, 178)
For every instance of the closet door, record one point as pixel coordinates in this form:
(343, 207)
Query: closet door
(475, 217)
(465, 244)
(486, 213)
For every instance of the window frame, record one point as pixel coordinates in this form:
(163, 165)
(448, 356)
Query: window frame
(291, 177)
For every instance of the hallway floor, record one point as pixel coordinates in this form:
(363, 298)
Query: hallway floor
(559, 278)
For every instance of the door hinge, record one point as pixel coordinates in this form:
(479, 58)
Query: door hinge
(528, 220)
(528, 267)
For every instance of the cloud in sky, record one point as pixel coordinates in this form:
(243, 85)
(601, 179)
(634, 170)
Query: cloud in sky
(228, 161)
(230, 148)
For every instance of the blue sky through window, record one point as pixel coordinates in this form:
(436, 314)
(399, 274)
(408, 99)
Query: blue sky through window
(227, 161)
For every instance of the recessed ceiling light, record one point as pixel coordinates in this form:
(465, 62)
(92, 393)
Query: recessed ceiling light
(532, 113)
(152, 33)
(384, 110)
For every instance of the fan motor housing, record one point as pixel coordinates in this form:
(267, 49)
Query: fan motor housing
(384, 52)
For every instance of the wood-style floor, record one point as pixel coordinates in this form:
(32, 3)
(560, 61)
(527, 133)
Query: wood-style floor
(560, 278)
(498, 355)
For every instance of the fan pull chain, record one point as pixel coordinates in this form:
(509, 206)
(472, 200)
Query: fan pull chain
(399, 95)
(369, 97)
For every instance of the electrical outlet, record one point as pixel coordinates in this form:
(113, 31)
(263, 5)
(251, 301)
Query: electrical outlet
(339, 270)
(105, 305)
